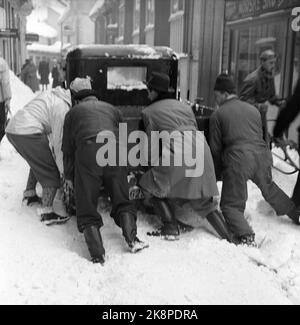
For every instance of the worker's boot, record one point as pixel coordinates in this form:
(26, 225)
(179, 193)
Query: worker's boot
(217, 221)
(129, 228)
(94, 243)
(170, 229)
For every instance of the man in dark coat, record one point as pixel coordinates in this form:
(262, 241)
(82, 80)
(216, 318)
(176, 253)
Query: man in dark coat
(44, 71)
(259, 87)
(29, 75)
(285, 118)
(82, 125)
(240, 154)
(168, 184)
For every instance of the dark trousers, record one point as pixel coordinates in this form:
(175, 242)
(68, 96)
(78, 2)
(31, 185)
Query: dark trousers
(3, 119)
(242, 167)
(36, 151)
(296, 194)
(89, 179)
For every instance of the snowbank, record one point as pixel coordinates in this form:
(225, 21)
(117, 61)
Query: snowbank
(40, 265)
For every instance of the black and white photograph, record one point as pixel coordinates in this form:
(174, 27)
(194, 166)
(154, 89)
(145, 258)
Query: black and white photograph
(149, 154)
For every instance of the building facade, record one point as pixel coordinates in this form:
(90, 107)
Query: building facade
(13, 15)
(76, 25)
(183, 25)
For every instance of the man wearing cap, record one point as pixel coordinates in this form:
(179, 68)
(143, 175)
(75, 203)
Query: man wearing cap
(169, 185)
(29, 131)
(85, 121)
(5, 95)
(259, 87)
(241, 154)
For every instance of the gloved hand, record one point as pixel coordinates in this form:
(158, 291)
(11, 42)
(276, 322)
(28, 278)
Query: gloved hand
(69, 197)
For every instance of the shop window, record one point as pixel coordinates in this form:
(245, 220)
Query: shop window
(177, 6)
(248, 42)
(136, 16)
(296, 63)
(150, 13)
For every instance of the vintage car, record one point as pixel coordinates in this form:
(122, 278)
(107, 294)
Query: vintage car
(118, 73)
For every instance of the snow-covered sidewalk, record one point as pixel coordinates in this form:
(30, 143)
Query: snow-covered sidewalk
(40, 265)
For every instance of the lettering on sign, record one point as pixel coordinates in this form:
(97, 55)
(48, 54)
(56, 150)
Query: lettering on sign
(296, 20)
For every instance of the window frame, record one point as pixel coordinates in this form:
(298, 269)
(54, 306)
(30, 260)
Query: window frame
(150, 14)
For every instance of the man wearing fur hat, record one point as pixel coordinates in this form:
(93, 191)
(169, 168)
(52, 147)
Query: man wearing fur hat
(83, 123)
(241, 154)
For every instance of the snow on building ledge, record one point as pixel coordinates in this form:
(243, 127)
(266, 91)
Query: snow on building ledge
(51, 49)
(98, 5)
(41, 28)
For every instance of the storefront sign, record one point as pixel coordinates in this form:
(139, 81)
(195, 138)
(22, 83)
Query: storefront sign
(31, 38)
(239, 9)
(9, 33)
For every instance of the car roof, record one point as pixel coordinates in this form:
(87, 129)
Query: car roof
(122, 51)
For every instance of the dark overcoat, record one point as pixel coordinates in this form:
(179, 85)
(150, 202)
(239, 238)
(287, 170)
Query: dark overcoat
(172, 181)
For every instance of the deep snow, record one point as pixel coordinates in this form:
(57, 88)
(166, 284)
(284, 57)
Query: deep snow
(40, 265)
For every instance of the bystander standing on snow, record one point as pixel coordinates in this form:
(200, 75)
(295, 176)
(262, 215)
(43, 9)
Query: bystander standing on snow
(5, 95)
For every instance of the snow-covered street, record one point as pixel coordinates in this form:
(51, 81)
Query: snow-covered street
(40, 265)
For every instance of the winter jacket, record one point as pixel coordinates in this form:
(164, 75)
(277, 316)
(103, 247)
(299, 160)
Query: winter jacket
(29, 76)
(56, 77)
(83, 122)
(44, 71)
(236, 127)
(172, 181)
(45, 114)
(258, 88)
(288, 115)
(5, 90)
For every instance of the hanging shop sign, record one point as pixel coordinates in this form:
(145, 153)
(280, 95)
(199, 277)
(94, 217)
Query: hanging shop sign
(240, 9)
(9, 33)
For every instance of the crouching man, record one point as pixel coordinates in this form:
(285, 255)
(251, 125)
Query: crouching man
(83, 123)
(170, 185)
(29, 131)
(241, 154)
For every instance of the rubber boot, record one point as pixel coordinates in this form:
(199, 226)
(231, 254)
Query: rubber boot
(129, 228)
(295, 215)
(217, 221)
(94, 243)
(128, 225)
(162, 209)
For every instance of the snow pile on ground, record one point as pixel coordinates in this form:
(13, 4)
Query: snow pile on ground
(40, 265)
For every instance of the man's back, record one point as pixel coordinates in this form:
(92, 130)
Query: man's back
(238, 124)
(169, 115)
(87, 119)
